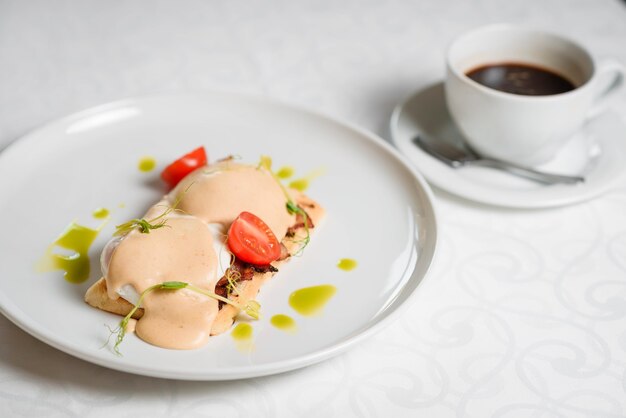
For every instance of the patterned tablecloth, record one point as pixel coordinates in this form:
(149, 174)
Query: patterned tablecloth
(524, 314)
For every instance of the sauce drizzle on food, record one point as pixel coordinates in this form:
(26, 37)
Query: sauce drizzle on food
(310, 300)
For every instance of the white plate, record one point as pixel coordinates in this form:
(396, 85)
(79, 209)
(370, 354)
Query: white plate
(598, 153)
(379, 209)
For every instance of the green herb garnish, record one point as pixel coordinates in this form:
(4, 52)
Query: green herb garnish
(232, 277)
(141, 225)
(145, 226)
(251, 308)
(292, 208)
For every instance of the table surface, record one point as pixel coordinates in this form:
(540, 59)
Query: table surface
(524, 312)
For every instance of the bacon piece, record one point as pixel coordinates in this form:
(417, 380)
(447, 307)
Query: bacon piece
(240, 271)
(291, 231)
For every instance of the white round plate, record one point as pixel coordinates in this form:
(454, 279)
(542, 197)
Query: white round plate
(598, 153)
(379, 212)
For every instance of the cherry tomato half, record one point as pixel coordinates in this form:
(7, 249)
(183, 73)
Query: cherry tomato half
(252, 241)
(176, 171)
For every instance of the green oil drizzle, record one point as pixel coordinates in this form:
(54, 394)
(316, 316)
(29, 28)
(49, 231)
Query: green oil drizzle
(310, 300)
(100, 213)
(77, 239)
(146, 164)
(300, 184)
(285, 172)
(283, 322)
(347, 264)
(242, 332)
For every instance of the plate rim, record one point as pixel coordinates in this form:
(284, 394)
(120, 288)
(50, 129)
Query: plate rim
(391, 311)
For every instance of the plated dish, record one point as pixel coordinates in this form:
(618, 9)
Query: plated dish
(597, 153)
(196, 260)
(86, 165)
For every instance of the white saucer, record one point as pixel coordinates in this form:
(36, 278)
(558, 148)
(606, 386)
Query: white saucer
(598, 153)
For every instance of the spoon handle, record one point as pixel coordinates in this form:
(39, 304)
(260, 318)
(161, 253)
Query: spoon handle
(528, 173)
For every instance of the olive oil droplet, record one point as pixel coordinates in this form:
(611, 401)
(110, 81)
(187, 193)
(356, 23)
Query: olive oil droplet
(242, 331)
(77, 239)
(100, 213)
(146, 164)
(242, 334)
(285, 172)
(283, 322)
(310, 300)
(347, 264)
(300, 184)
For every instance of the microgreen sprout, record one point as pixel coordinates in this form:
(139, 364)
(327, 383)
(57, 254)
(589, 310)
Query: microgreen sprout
(141, 225)
(294, 209)
(145, 226)
(233, 277)
(252, 307)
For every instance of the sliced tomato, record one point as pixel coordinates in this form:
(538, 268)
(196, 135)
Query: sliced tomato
(252, 241)
(179, 169)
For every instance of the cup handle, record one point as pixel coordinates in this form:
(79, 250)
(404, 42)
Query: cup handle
(617, 73)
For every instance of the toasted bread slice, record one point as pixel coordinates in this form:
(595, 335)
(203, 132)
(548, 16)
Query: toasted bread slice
(97, 295)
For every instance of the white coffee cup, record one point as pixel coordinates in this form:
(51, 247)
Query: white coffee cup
(523, 129)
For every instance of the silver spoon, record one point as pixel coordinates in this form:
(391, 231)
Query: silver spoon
(457, 157)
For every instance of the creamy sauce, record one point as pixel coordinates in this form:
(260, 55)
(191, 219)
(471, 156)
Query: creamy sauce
(76, 240)
(181, 251)
(219, 193)
(310, 300)
(146, 164)
(283, 322)
(185, 250)
(177, 319)
(347, 264)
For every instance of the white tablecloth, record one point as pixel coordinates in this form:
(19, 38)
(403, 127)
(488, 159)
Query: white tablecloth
(524, 314)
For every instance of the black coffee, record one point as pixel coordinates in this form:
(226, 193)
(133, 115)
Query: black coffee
(521, 79)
